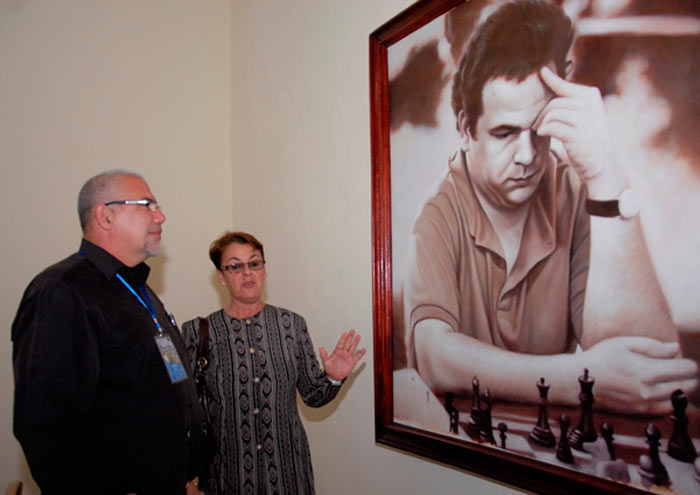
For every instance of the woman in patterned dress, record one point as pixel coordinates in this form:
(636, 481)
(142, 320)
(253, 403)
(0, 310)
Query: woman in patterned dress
(259, 356)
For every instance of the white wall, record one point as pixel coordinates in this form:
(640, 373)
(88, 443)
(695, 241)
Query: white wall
(251, 114)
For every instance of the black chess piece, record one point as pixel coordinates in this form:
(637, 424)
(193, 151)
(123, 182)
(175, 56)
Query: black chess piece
(454, 421)
(449, 397)
(680, 446)
(564, 449)
(474, 422)
(541, 433)
(614, 468)
(486, 433)
(503, 428)
(585, 431)
(452, 412)
(607, 432)
(651, 470)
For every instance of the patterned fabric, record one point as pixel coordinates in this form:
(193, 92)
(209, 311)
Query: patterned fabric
(256, 366)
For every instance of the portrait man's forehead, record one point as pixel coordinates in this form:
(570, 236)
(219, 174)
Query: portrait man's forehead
(513, 42)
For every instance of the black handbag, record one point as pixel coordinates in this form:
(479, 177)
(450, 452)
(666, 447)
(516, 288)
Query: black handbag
(203, 393)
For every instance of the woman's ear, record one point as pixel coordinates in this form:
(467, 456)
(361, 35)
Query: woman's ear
(220, 277)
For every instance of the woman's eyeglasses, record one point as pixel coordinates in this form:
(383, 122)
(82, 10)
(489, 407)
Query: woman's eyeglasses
(238, 267)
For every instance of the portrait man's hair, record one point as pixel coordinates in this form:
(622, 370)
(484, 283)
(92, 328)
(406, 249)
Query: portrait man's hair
(514, 42)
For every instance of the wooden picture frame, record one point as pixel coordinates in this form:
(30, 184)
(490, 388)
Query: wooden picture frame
(391, 229)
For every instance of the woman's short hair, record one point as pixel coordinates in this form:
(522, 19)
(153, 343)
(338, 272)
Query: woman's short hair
(216, 249)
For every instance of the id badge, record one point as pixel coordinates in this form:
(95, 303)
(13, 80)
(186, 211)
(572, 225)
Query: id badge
(171, 358)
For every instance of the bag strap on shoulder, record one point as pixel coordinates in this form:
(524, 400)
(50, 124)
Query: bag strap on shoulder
(203, 347)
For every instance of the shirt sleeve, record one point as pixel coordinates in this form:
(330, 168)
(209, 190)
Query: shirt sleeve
(315, 388)
(56, 366)
(432, 288)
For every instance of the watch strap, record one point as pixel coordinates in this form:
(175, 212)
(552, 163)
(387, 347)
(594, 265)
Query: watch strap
(607, 208)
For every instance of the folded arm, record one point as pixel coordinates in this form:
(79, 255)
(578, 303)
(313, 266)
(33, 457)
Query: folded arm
(633, 374)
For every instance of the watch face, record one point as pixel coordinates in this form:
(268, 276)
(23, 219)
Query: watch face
(628, 204)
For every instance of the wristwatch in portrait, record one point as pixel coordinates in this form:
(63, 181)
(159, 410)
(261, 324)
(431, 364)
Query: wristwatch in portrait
(626, 206)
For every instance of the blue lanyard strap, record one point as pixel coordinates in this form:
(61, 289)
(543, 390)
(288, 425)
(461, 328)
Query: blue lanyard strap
(149, 307)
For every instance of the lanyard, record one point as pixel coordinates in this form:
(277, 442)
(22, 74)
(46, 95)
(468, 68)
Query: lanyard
(149, 307)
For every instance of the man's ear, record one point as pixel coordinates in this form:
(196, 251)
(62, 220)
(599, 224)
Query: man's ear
(103, 217)
(568, 69)
(464, 138)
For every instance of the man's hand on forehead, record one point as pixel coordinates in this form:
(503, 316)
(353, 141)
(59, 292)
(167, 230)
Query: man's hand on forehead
(576, 116)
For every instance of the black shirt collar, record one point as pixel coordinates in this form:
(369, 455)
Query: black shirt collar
(109, 265)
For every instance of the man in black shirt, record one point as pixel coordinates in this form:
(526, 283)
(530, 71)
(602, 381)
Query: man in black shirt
(103, 401)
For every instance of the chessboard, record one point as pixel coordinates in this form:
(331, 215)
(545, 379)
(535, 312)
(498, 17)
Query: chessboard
(633, 450)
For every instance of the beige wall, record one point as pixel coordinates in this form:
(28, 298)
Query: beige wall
(90, 85)
(245, 114)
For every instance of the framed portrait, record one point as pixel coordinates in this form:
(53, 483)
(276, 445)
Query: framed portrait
(535, 178)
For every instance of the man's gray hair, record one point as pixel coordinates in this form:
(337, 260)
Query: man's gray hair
(96, 190)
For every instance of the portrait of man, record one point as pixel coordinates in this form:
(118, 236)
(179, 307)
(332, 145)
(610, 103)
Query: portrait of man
(543, 171)
(534, 253)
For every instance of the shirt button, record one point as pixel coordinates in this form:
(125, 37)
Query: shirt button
(258, 447)
(256, 379)
(256, 410)
(248, 322)
(251, 350)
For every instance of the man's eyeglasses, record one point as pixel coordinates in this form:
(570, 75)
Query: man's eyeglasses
(238, 267)
(148, 203)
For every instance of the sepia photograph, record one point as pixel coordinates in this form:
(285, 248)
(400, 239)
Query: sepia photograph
(536, 170)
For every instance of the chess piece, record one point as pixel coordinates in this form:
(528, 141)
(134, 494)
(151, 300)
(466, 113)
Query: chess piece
(614, 468)
(449, 397)
(651, 470)
(607, 432)
(541, 433)
(454, 420)
(564, 449)
(585, 431)
(452, 412)
(503, 428)
(474, 423)
(680, 446)
(486, 433)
